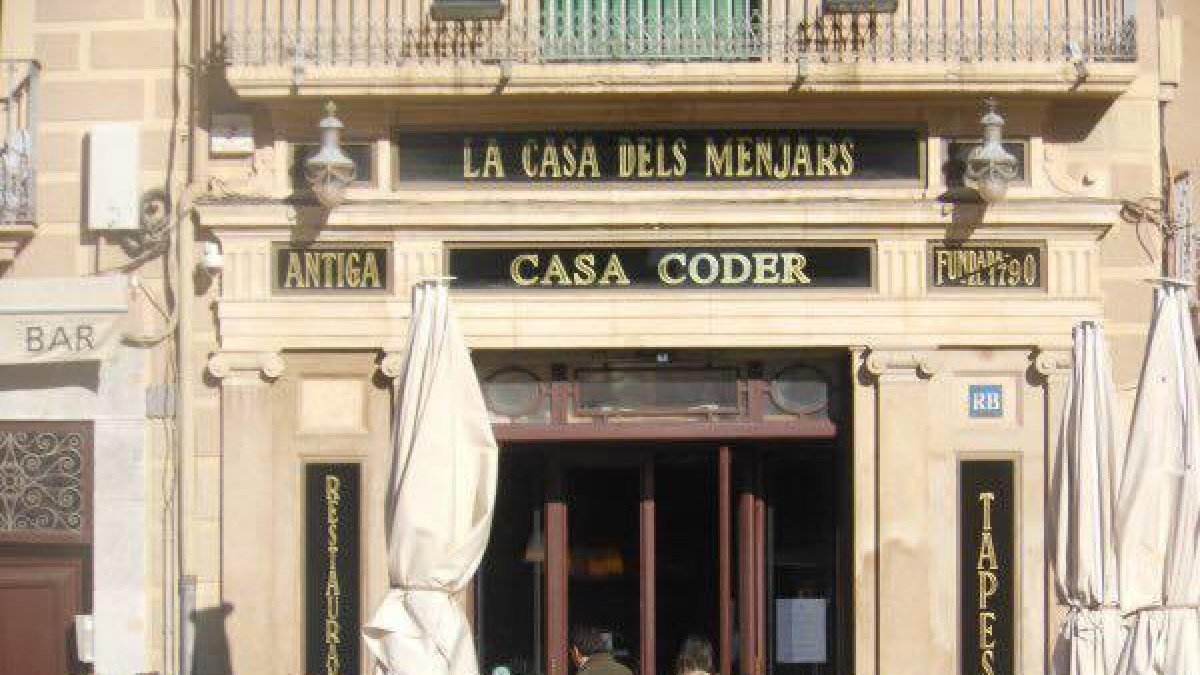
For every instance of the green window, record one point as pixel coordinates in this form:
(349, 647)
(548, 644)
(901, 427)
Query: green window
(650, 29)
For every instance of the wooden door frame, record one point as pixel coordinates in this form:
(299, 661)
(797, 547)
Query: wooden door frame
(751, 610)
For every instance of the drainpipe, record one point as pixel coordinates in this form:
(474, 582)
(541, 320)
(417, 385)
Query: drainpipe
(189, 45)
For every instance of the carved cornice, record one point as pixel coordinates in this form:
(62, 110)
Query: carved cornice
(266, 366)
(877, 363)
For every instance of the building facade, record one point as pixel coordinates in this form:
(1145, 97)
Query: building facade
(764, 364)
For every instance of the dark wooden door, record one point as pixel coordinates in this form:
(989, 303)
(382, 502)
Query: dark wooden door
(45, 536)
(40, 594)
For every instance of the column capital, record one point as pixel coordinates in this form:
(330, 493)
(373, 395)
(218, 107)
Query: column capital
(1051, 364)
(878, 363)
(265, 365)
(392, 364)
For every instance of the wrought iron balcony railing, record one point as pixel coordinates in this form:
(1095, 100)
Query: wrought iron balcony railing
(389, 33)
(17, 145)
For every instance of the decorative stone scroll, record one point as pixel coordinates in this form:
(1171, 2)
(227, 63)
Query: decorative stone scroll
(877, 363)
(267, 365)
(392, 364)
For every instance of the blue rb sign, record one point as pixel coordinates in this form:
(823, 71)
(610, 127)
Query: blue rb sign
(985, 400)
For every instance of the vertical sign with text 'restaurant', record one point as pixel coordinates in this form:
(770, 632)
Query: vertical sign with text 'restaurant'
(331, 621)
(987, 566)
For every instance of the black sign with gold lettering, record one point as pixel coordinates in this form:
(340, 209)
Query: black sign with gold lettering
(325, 267)
(987, 566)
(818, 266)
(771, 154)
(983, 265)
(331, 611)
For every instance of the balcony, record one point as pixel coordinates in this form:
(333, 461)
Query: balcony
(393, 47)
(17, 159)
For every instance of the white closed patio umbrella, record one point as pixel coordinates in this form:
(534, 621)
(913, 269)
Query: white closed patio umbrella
(438, 510)
(1158, 509)
(1084, 492)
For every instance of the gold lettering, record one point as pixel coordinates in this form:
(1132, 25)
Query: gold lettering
(846, 149)
(493, 162)
(333, 587)
(550, 167)
(585, 269)
(825, 157)
(627, 154)
(766, 268)
(469, 170)
(987, 553)
(354, 269)
(556, 273)
(514, 269)
(370, 275)
(588, 161)
(527, 161)
(745, 157)
(312, 269)
(568, 157)
(784, 161)
(679, 150)
(614, 272)
(765, 157)
(660, 159)
(294, 278)
(987, 661)
(793, 268)
(718, 162)
(802, 160)
(987, 498)
(644, 168)
(664, 273)
(987, 629)
(710, 275)
(728, 262)
(989, 583)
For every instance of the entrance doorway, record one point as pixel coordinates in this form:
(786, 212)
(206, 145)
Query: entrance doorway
(740, 543)
(45, 552)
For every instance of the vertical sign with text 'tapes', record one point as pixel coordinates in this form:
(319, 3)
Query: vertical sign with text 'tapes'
(987, 569)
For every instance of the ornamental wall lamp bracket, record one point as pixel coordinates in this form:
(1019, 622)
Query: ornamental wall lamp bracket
(991, 168)
(330, 171)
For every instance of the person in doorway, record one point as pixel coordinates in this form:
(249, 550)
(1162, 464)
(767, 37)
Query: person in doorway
(591, 651)
(695, 657)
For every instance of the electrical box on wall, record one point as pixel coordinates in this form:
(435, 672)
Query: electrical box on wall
(114, 164)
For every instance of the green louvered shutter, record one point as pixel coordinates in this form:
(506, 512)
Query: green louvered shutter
(650, 29)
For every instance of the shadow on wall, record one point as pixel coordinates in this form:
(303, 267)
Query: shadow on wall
(21, 377)
(211, 649)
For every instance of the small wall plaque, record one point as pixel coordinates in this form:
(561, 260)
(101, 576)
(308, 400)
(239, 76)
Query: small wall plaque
(332, 268)
(985, 265)
(231, 134)
(985, 400)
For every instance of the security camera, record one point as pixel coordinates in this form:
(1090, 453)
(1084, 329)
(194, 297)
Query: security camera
(1075, 58)
(211, 260)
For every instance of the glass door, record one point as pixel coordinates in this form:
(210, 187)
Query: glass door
(738, 545)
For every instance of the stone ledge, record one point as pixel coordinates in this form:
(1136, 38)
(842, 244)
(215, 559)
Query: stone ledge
(1105, 80)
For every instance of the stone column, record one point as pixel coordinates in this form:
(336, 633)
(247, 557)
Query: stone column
(247, 506)
(908, 639)
(1054, 368)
